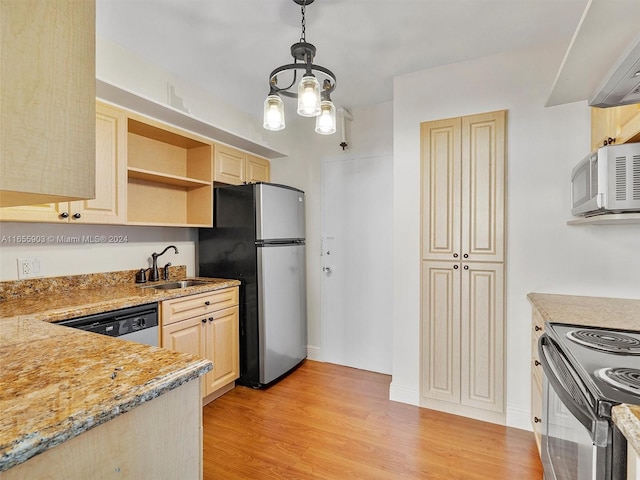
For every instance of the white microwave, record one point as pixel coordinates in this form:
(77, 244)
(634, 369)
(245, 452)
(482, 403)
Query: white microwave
(607, 181)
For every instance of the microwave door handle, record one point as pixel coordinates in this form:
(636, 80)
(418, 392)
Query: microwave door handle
(584, 415)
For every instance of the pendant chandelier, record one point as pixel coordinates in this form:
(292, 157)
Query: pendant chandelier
(313, 101)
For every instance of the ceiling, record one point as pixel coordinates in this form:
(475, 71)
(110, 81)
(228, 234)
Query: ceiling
(229, 47)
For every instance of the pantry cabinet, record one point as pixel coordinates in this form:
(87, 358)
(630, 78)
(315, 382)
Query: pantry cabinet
(206, 325)
(236, 167)
(462, 280)
(108, 206)
(620, 124)
(47, 97)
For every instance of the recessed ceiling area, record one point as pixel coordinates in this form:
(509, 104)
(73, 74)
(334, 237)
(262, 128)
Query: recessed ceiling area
(229, 47)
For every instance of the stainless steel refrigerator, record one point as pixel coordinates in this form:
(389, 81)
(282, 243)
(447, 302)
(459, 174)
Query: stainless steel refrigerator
(259, 238)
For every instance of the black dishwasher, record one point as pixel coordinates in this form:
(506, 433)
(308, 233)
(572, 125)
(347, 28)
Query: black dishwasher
(138, 324)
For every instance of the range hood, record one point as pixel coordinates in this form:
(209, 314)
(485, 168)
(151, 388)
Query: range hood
(621, 86)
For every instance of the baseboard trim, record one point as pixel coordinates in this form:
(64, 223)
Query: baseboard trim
(313, 353)
(519, 418)
(404, 394)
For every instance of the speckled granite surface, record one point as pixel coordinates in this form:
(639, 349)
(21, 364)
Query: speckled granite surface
(619, 313)
(57, 382)
(627, 418)
(61, 298)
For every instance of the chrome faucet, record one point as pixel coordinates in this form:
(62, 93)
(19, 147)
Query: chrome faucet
(155, 275)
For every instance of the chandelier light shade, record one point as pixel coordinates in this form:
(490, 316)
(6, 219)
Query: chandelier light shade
(326, 121)
(313, 101)
(309, 96)
(273, 113)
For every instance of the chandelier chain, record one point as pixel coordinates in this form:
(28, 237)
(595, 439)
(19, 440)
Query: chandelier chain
(303, 36)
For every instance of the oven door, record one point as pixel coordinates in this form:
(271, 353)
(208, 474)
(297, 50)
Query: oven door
(576, 444)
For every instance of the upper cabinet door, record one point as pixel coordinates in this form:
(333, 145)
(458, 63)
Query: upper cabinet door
(257, 169)
(441, 189)
(229, 165)
(483, 179)
(47, 139)
(108, 206)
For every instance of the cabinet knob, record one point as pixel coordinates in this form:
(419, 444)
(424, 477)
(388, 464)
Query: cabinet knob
(455, 255)
(455, 267)
(537, 420)
(466, 267)
(76, 216)
(207, 303)
(466, 255)
(537, 328)
(211, 319)
(64, 215)
(537, 363)
(204, 320)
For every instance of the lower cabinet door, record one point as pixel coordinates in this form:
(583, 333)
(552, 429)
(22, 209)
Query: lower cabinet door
(187, 336)
(221, 347)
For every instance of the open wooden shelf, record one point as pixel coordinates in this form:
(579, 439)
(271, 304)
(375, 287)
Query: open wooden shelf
(164, 178)
(169, 175)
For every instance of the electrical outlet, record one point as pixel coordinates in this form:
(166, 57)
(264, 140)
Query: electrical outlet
(29, 267)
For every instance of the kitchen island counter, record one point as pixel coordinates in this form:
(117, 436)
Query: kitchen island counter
(65, 390)
(604, 312)
(59, 382)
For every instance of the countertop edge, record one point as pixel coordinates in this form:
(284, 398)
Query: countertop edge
(628, 423)
(32, 444)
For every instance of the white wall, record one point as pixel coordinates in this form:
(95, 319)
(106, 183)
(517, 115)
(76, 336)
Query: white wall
(543, 253)
(370, 134)
(65, 251)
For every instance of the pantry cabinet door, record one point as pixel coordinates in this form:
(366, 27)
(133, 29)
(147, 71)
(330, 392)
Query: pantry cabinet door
(441, 331)
(440, 153)
(483, 180)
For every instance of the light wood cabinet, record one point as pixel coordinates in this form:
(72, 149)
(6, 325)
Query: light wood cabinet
(621, 124)
(537, 329)
(463, 243)
(108, 206)
(206, 325)
(170, 175)
(463, 188)
(236, 167)
(47, 101)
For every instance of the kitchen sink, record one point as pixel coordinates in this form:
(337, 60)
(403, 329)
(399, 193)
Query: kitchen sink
(174, 285)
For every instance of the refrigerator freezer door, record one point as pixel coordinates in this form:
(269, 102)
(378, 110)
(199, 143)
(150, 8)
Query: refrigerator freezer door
(279, 212)
(282, 309)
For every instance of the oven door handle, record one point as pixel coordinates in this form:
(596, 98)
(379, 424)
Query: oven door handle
(567, 393)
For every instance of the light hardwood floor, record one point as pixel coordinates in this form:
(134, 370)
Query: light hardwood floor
(331, 422)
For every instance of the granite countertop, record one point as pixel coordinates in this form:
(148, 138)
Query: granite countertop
(67, 297)
(617, 313)
(57, 382)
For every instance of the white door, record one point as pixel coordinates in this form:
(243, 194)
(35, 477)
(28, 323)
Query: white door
(356, 328)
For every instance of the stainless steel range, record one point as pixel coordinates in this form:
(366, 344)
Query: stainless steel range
(587, 371)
